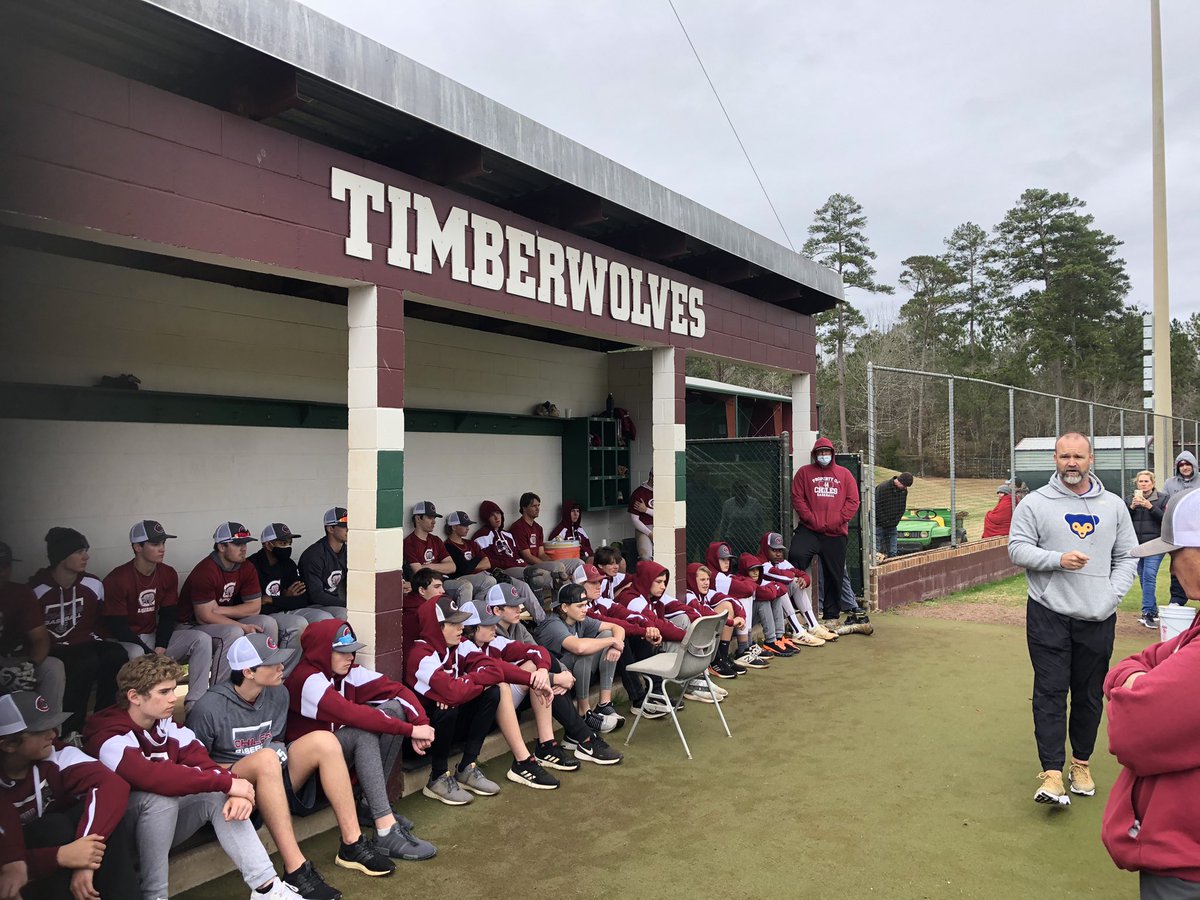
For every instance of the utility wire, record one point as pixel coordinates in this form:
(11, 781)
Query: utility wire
(737, 136)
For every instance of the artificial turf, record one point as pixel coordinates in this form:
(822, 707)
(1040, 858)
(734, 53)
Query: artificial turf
(895, 766)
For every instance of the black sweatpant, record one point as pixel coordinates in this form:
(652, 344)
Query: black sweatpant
(1178, 595)
(1067, 655)
(832, 549)
(471, 723)
(93, 663)
(116, 876)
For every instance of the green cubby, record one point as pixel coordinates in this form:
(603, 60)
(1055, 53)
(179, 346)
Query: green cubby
(592, 462)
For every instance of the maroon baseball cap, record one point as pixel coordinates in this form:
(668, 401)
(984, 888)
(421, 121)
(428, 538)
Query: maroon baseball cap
(591, 573)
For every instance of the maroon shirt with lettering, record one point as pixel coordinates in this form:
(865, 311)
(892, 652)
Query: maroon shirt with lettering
(419, 553)
(138, 597)
(209, 582)
(528, 537)
(71, 614)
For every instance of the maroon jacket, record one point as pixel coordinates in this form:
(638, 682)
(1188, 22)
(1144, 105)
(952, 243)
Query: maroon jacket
(825, 498)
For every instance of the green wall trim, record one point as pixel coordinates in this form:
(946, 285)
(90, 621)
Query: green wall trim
(681, 475)
(88, 404)
(449, 421)
(389, 509)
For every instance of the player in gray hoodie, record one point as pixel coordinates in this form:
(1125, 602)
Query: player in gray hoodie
(1184, 478)
(1074, 539)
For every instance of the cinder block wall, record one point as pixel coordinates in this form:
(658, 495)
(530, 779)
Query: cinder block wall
(926, 576)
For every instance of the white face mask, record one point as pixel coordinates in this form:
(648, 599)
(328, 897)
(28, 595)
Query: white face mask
(824, 459)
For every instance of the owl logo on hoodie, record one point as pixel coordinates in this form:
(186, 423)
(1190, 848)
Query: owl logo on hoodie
(1082, 525)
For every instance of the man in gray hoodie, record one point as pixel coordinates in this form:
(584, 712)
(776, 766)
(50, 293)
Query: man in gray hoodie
(1074, 539)
(1184, 478)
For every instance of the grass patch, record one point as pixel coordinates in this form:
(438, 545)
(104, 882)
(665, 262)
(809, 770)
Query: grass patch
(1012, 592)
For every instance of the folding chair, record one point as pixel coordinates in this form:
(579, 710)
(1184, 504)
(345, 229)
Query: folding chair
(689, 661)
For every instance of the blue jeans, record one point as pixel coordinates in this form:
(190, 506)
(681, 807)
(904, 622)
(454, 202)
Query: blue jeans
(885, 541)
(1147, 569)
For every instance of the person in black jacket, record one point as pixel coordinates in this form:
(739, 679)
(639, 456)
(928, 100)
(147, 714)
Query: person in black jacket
(891, 499)
(323, 566)
(1146, 508)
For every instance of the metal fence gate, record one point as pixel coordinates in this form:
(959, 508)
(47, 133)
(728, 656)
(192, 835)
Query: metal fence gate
(737, 490)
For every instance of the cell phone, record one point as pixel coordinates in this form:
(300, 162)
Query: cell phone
(1138, 494)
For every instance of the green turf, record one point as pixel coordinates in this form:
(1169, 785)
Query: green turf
(896, 766)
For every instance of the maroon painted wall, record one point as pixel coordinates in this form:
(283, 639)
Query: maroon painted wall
(940, 572)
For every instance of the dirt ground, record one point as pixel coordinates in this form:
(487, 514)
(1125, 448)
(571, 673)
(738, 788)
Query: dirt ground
(1003, 614)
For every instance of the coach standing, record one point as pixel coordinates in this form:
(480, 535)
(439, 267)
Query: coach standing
(1074, 539)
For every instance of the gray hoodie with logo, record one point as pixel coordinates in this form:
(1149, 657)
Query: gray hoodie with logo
(232, 729)
(1054, 520)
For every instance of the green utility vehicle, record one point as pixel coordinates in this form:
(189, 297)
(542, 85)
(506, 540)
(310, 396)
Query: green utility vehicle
(926, 529)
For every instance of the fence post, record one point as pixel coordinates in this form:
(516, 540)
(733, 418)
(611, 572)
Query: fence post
(1057, 416)
(785, 478)
(869, 537)
(1123, 482)
(1092, 425)
(953, 509)
(1012, 447)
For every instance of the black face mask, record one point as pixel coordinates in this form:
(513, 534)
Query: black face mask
(282, 552)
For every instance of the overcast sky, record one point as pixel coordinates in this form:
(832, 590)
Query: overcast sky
(930, 112)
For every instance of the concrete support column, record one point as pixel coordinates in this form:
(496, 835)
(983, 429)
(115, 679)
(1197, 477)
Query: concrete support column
(375, 477)
(670, 461)
(804, 419)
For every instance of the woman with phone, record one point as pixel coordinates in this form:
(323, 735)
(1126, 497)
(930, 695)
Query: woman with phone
(1146, 507)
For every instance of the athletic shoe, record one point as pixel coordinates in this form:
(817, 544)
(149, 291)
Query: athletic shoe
(310, 885)
(473, 779)
(365, 857)
(752, 658)
(1052, 790)
(697, 689)
(1150, 621)
(804, 639)
(737, 669)
(595, 750)
(652, 709)
(1080, 776)
(280, 890)
(722, 668)
(857, 617)
(593, 720)
(366, 820)
(529, 773)
(780, 648)
(820, 631)
(719, 692)
(609, 712)
(401, 843)
(553, 755)
(446, 788)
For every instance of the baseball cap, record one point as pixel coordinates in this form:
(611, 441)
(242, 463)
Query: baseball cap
(1005, 488)
(232, 533)
(568, 594)
(344, 640)
(458, 517)
(775, 541)
(482, 616)
(252, 650)
(148, 530)
(723, 552)
(591, 573)
(504, 595)
(448, 611)
(335, 516)
(28, 711)
(1180, 526)
(425, 508)
(277, 531)
(6, 557)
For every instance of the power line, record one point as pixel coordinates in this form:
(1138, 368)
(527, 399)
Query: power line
(737, 136)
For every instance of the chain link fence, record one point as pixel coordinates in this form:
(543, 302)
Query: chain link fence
(737, 490)
(961, 438)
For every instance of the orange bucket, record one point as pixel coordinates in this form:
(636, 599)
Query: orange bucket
(562, 549)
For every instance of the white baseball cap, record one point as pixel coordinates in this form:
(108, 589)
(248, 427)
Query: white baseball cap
(253, 650)
(1180, 526)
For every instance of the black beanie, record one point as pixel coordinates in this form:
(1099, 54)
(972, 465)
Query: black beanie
(62, 542)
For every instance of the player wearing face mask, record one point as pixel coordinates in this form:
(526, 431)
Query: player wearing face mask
(825, 498)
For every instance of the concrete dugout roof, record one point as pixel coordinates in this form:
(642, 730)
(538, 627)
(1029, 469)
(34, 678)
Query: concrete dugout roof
(281, 63)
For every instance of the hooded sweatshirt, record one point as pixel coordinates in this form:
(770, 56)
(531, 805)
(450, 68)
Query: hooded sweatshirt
(1177, 482)
(232, 729)
(1054, 520)
(998, 520)
(605, 609)
(436, 673)
(782, 571)
(707, 602)
(825, 497)
(498, 544)
(766, 591)
(641, 602)
(566, 531)
(739, 587)
(71, 614)
(320, 700)
(1151, 821)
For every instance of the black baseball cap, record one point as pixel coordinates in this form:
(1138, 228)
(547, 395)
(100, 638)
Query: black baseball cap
(148, 531)
(448, 611)
(277, 531)
(568, 594)
(426, 508)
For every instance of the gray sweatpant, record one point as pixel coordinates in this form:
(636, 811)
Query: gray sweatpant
(770, 615)
(187, 645)
(372, 757)
(159, 823)
(584, 667)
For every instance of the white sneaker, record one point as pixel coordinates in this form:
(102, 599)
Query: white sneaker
(719, 692)
(280, 890)
(698, 690)
(654, 709)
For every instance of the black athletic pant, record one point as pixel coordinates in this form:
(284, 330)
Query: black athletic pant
(471, 723)
(116, 876)
(93, 663)
(1067, 655)
(832, 549)
(562, 707)
(1177, 593)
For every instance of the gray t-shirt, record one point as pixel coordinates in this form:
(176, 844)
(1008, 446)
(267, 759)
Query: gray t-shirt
(552, 632)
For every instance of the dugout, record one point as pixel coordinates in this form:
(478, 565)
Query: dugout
(342, 279)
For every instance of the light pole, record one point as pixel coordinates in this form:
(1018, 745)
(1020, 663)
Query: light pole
(1163, 455)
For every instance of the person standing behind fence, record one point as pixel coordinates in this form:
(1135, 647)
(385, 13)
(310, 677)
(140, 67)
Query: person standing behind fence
(825, 498)
(1184, 478)
(1074, 539)
(1146, 508)
(998, 519)
(891, 500)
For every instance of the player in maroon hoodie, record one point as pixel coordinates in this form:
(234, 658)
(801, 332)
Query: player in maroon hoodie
(768, 607)
(825, 498)
(177, 788)
(740, 589)
(570, 528)
(501, 548)
(1152, 823)
(699, 581)
(64, 808)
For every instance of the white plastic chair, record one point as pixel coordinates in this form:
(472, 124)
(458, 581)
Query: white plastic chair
(689, 661)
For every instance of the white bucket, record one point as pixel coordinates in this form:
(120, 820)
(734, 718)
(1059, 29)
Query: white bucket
(1174, 620)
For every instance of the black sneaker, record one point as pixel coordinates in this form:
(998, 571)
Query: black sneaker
(610, 714)
(365, 857)
(593, 720)
(597, 751)
(722, 668)
(737, 669)
(309, 883)
(530, 773)
(1149, 621)
(553, 755)
(858, 617)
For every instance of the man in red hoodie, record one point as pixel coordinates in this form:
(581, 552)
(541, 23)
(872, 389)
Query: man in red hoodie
(1152, 823)
(825, 498)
